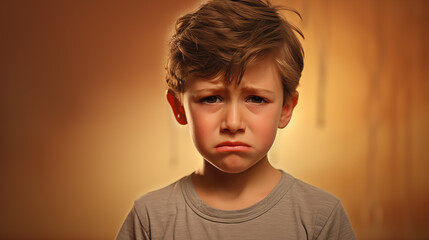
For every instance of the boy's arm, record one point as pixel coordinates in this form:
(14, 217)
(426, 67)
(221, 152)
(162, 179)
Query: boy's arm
(132, 228)
(337, 226)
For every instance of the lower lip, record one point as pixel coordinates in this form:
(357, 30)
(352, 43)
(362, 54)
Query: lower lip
(239, 148)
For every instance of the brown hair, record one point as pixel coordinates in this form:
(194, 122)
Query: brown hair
(224, 36)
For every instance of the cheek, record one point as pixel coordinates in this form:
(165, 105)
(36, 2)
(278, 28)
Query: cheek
(265, 127)
(202, 126)
(266, 133)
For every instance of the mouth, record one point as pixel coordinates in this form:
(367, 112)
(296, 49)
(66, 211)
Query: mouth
(232, 147)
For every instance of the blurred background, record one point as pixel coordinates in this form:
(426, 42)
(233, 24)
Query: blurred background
(85, 128)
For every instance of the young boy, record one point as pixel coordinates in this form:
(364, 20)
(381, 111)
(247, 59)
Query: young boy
(232, 75)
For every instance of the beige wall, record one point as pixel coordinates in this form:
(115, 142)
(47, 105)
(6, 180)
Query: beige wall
(85, 128)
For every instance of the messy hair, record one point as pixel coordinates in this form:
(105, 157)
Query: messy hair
(224, 36)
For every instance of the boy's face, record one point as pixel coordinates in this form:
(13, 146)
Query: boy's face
(233, 126)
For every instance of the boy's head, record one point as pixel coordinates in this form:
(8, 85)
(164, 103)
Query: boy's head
(245, 43)
(223, 36)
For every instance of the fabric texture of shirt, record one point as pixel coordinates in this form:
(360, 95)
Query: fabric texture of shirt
(293, 210)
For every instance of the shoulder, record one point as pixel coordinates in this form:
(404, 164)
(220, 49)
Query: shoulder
(159, 205)
(149, 209)
(320, 209)
(159, 197)
(159, 194)
(311, 196)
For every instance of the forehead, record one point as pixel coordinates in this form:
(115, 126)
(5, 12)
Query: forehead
(262, 73)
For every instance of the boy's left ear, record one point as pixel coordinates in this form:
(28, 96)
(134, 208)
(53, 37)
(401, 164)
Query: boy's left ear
(287, 109)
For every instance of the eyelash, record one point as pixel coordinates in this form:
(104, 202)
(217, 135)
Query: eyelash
(216, 99)
(259, 100)
(209, 99)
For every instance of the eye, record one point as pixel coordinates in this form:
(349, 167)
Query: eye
(256, 99)
(211, 99)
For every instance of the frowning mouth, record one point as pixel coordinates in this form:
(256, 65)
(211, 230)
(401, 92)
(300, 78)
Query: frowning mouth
(232, 147)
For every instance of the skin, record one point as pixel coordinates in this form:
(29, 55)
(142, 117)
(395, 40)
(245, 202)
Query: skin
(233, 127)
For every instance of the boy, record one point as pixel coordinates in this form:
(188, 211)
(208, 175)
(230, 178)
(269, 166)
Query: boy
(232, 74)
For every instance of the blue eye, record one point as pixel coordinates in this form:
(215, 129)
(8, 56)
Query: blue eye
(256, 99)
(211, 99)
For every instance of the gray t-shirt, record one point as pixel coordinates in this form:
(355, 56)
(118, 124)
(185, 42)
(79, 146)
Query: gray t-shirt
(293, 210)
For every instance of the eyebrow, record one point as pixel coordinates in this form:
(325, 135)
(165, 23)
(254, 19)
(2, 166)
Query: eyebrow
(219, 86)
(210, 89)
(256, 89)
(214, 85)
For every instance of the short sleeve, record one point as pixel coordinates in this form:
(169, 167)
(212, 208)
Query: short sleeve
(132, 228)
(337, 226)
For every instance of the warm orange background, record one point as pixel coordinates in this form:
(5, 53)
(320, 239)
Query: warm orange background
(85, 128)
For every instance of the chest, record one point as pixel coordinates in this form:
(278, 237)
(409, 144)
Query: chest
(183, 223)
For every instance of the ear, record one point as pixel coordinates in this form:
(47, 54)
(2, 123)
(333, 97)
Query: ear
(177, 107)
(287, 109)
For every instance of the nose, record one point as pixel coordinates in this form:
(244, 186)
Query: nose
(232, 121)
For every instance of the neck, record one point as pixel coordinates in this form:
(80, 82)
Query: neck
(245, 188)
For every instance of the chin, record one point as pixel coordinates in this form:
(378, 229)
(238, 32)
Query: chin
(233, 166)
